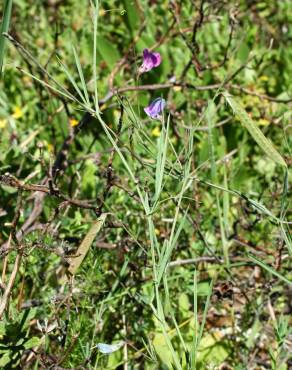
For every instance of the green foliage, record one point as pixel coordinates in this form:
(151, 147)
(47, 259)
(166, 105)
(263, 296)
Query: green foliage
(15, 339)
(175, 231)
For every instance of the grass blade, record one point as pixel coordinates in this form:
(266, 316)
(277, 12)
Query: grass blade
(73, 82)
(210, 118)
(81, 75)
(202, 325)
(95, 8)
(50, 87)
(269, 269)
(193, 354)
(264, 143)
(4, 28)
(161, 159)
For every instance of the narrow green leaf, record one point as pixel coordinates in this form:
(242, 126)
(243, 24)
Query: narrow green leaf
(211, 118)
(264, 143)
(170, 245)
(269, 269)
(95, 8)
(72, 80)
(81, 76)
(161, 160)
(4, 28)
(43, 83)
(207, 303)
(132, 14)
(193, 353)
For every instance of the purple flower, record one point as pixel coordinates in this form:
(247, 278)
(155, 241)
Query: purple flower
(155, 109)
(150, 60)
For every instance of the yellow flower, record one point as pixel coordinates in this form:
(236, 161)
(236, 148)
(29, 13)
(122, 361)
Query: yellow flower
(263, 122)
(116, 114)
(50, 148)
(156, 132)
(3, 123)
(73, 122)
(101, 12)
(173, 140)
(17, 113)
(27, 81)
(264, 78)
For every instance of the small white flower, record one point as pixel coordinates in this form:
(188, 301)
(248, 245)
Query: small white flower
(109, 348)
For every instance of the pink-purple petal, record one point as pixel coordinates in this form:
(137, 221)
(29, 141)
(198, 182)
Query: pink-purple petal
(157, 59)
(150, 60)
(155, 109)
(146, 53)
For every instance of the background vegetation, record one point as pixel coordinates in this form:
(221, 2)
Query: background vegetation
(183, 223)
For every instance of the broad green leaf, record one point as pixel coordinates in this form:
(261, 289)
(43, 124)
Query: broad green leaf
(132, 14)
(9, 189)
(212, 350)
(5, 359)
(243, 53)
(32, 342)
(183, 302)
(264, 143)
(203, 288)
(108, 51)
(89, 178)
(162, 349)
